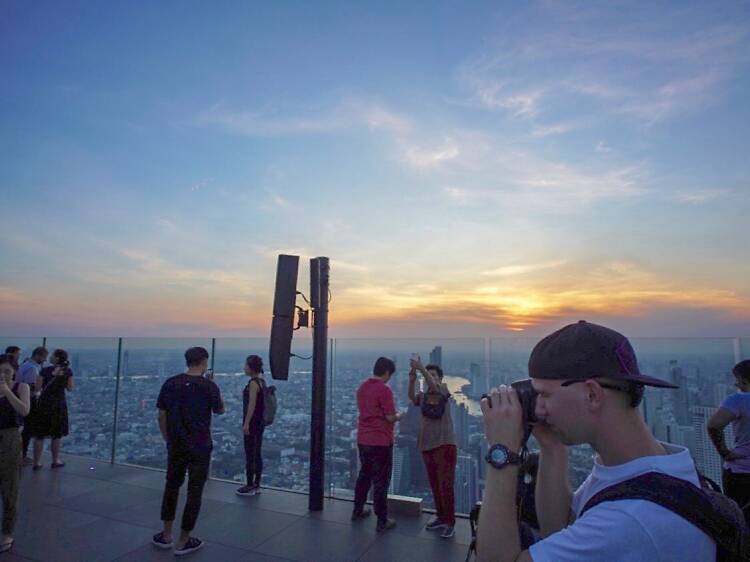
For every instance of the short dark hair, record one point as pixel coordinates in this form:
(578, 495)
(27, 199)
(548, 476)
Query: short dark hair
(742, 370)
(39, 351)
(384, 366)
(6, 358)
(12, 349)
(195, 356)
(433, 367)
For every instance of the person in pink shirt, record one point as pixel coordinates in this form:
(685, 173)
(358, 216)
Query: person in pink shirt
(377, 417)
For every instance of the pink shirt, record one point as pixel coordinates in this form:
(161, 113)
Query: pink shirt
(375, 401)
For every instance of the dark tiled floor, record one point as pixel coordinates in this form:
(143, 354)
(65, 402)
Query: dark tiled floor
(92, 511)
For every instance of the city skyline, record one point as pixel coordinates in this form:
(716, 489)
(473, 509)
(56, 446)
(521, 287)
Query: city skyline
(484, 169)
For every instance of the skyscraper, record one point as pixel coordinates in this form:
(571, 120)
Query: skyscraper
(467, 483)
(436, 356)
(460, 415)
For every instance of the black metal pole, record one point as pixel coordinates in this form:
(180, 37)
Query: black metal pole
(117, 400)
(319, 278)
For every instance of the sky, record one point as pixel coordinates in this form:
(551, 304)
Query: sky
(470, 168)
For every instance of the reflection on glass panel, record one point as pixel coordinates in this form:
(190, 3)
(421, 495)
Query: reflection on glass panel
(27, 345)
(91, 404)
(464, 364)
(146, 364)
(286, 443)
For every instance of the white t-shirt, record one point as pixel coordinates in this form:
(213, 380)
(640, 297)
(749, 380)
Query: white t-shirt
(629, 530)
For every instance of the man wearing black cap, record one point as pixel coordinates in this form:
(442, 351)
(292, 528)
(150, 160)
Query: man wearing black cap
(588, 390)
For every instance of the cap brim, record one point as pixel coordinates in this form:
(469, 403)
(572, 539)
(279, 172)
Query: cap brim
(650, 381)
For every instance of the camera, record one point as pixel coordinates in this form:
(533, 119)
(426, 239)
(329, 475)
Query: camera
(527, 396)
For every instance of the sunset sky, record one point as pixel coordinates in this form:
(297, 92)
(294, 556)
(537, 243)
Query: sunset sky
(471, 168)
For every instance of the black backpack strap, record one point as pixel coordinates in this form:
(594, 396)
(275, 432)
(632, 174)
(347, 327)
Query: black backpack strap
(678, 496)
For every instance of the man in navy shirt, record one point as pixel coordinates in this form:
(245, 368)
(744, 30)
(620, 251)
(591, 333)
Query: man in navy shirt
(186, 403)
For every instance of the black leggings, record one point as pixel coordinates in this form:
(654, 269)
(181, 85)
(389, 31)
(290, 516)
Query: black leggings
(253, 455)
(737, 486)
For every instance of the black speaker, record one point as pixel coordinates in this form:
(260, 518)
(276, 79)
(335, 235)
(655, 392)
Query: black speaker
(284, 300)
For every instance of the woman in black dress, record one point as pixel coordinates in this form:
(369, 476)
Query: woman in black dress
(14, 403)
(51, 414)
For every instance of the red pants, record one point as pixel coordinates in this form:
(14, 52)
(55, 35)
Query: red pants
(441, 470)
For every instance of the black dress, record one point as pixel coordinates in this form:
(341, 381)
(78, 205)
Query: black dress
(50, 419)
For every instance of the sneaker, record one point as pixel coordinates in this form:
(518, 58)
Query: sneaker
(37, 467)
(245, 491)
(364, 514)
(57, 464)
(386, 525)
(435, 525)
(256, 490)
(191, 545)
(27, 461)
(448, 532)
(159, 541)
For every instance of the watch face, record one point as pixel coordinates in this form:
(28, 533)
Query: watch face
(499, 456)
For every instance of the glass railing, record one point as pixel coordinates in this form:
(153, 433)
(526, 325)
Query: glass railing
(113, 415)
(464, 362)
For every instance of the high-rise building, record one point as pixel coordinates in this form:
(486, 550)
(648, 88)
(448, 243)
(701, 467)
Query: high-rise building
(436, 356)
(467, 483)
(460, 415)
(681, 396)
(402, 469)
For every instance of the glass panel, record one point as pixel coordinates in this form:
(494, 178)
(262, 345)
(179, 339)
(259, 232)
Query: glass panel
(146, 364)
(286, 443)
(91, 404)
(703, 370)
(464, 363)
(27, 345)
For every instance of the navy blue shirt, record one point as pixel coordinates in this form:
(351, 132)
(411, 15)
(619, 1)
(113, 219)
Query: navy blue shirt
(189, 402)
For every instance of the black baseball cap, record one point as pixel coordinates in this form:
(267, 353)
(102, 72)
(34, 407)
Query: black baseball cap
(583, 351)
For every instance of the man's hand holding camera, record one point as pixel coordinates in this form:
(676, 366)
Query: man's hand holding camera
(503, 418)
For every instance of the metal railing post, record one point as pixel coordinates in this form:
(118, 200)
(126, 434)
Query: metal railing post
(117, 399)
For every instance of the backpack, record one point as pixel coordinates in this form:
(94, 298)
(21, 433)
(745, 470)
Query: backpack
(706, 507)
(270, 403)
(433, 404)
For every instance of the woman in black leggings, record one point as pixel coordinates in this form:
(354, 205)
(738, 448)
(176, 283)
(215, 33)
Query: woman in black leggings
(14, 403)
(253, 403)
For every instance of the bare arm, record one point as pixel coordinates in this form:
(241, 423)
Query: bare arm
(432, 384)
(39, 384)
(412, 384)
(163, 424)
(393, 419)
(721, 418)
(70, 384)
(553, 494)
(21, 403)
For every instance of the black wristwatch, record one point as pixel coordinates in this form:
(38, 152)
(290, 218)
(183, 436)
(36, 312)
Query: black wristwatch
(499, 456)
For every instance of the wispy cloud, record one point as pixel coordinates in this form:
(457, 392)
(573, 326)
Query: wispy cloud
(522, 269)
(701, 196)
(274, 121)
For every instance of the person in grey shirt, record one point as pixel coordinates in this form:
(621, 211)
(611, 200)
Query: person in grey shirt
(28, 373)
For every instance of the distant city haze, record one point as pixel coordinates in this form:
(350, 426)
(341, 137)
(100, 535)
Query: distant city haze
(480, 170)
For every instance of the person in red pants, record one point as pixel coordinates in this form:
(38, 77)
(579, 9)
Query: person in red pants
(437, 441)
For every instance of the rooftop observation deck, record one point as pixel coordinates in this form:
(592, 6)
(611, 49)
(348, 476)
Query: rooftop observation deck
(94, 511)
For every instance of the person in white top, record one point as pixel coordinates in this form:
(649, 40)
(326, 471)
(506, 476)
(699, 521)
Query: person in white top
(587, 389)
(735, 409)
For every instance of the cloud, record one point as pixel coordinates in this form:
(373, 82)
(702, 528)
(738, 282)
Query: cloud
(349, 113)
(420, 157)
(522, 269)
(700, 197)
(602, 147)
